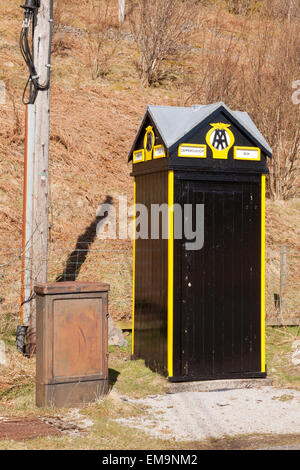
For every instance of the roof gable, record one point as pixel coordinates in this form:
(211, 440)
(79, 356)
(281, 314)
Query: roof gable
(174, 122)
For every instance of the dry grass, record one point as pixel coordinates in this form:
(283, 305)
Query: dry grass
(278, 357)
(93, 123)
(161, 29)
(282, 227)
(17, 382)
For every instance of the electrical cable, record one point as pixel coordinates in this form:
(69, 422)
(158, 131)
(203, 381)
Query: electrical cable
(27, 49)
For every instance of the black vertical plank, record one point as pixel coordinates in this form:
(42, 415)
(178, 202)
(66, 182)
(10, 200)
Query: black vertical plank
(237, 253)
(199, 269)
(213, 279)
(255, 364)
(203, 282)
(209, 284)
(144, 284)
(145, 277)
(178, 294)
(229, 290)
(218, 267)
(188, 329)
(247, 284)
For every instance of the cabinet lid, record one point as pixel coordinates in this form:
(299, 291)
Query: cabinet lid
(70, 287)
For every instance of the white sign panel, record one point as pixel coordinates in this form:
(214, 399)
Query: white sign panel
(247, 153)
(190, 150)
(138, 156)
(159, 152)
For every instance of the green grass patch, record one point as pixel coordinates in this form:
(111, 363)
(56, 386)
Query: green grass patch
(279, 342)
(132, 378)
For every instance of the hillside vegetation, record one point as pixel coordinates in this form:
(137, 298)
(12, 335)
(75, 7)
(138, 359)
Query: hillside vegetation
(245, 53)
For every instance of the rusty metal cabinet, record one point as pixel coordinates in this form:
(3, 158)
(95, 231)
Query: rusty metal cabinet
(72, 346)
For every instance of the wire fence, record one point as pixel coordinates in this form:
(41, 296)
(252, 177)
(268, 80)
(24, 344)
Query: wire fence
(114, 266)
(282, 285)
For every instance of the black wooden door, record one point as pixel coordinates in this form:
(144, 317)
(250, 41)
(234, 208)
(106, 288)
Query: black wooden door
(220, 308)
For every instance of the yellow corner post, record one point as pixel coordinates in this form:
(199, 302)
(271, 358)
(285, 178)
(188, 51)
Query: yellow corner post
(170, 270)
(263, 239)
(133, 267)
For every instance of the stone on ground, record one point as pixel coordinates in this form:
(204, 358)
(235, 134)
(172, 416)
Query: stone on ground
(115, 335)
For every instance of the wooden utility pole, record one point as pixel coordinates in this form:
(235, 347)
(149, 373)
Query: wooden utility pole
(121, 11)
(42, 38)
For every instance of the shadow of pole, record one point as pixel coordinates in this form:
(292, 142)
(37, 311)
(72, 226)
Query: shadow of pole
(79, 254)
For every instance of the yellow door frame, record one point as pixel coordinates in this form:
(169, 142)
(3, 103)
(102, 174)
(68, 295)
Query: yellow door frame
(170, 269)
(263, 267)
(133, 267)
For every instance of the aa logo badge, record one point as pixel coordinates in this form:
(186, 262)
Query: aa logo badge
(149, 141)
(220, 139)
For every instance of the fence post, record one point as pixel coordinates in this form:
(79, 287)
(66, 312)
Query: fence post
(282, 279)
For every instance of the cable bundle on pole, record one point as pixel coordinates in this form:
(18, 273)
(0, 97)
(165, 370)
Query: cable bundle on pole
(26, 47)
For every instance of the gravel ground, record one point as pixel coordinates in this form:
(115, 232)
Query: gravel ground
(288, 447)
(195, 416)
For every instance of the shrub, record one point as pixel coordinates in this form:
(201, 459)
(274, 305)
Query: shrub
(159, 28)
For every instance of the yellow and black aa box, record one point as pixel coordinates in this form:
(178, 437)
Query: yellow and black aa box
(200, 313)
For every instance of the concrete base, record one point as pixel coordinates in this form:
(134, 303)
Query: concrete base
(217, 385)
